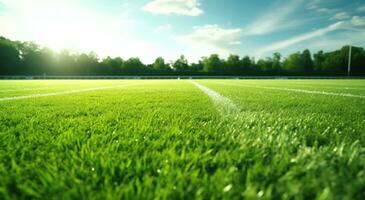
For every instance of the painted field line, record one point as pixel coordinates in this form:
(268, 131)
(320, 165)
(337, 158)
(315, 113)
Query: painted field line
(338, 88)
(62, 93)
(302, 91)
(224, 105)
(30, 89)
(315, 92)
(326, 87)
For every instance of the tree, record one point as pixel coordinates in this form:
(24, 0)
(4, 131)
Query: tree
(318, 61)
(134, 66)
(181, 64)
(299, 63)
(265, 65)
(28, 58)
(276, 63)
(111, 66)
(160, 65)
(307, 62)
(197, 67)
(336, 62)
(233, 64)
(246, 66)
(66, 63)
(87, 64)
(213, 64)
(9, 57)
(358, 61)
(293, 64)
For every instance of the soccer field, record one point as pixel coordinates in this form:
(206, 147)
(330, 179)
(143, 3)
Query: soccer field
(182, 139)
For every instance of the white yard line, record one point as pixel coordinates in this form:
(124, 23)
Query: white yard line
(223, 104)
(61, 93)
(302, 91)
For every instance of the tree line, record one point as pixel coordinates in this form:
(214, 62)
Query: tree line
(28, 58)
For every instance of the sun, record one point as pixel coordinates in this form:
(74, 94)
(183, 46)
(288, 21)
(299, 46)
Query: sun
(81, 31)
(62, 29)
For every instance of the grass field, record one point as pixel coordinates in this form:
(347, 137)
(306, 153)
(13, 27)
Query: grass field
(182, 139)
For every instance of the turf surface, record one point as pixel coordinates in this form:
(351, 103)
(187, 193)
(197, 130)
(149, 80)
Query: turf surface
(170, 139)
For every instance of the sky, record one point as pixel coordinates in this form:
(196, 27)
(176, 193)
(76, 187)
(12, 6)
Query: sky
(194, 28)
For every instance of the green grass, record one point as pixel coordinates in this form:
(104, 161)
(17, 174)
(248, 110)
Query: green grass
(167, 139)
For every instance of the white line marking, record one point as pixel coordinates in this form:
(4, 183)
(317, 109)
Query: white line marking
(30, 89)
(302, 91)
(62, 93)
(315, 92)
(337, 88)
(223, 104)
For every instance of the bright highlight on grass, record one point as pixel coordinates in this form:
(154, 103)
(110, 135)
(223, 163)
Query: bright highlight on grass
(170, 139)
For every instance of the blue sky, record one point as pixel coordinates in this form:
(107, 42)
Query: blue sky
(195, 28)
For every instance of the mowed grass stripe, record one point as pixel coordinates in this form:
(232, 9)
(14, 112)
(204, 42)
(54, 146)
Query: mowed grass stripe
(63, 92)
(298, 90)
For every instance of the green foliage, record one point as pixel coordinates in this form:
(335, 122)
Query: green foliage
(9, 56)
(134, 66)
(160, 65)
(213, 64)
(307, 61)
(114, 65)
(166, 140)
(299, 63)
(181, 64)
(28, 58)
(233, 64)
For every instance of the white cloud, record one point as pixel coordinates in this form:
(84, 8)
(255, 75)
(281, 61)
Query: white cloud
(275, 19)
(330, 42)
(208, 39)
(297, 39)
(340, 16)
(361, 9)
(163, 28)
(317, 5)
(235, 43)
(313, 5)
(178, 7)
(326, 10)
(212, 35)
(356, 23)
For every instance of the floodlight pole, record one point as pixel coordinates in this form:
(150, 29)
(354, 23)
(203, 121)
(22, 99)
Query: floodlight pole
(349, 64)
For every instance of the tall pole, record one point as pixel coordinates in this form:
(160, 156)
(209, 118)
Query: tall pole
(349, 64)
